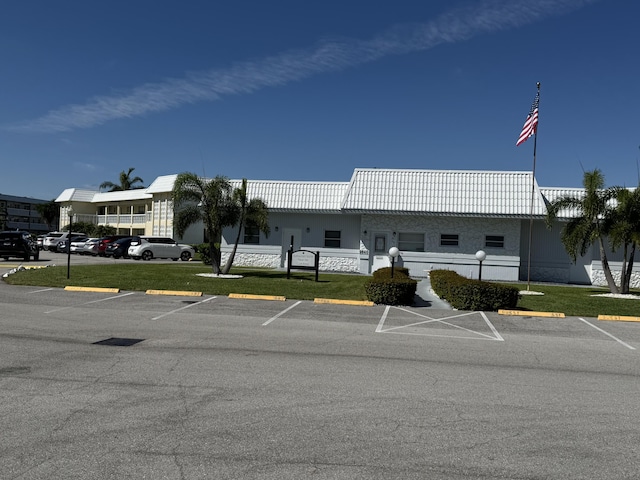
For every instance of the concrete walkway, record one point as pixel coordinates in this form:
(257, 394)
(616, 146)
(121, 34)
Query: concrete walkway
(426, 297)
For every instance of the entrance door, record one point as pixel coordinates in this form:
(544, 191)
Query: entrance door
(287, 233)
(379, 254)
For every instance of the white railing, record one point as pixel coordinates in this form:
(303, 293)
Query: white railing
(135, 219)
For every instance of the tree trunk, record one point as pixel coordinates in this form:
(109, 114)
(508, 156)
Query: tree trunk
(624, 286)
(607, 270)
(627, 279)
(227, 266)
(232, 255)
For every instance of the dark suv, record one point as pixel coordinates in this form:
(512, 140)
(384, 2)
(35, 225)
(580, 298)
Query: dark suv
(18, 244)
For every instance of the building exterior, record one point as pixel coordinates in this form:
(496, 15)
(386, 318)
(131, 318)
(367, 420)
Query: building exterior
(19, 213)
(437, 218)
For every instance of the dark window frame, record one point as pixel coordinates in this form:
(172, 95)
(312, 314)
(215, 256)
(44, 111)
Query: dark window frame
(251, 235)
(449, 240)
(407, 245)
(494, 241)
(332, 238)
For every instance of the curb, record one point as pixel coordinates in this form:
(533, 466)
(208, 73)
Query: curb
(618, 318)
(525, 313)
(91, 289)
(248, 296)
(174, 292)
(364, 303)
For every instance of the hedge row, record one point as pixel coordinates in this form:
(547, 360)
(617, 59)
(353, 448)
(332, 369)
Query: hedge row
(466, 294)
(399, 290)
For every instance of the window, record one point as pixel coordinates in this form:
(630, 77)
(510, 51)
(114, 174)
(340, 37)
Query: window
(112, 209)
(332, 238)
(448, 240)
(496, 241)
(411, 242)
(138, 209)
(252, 234)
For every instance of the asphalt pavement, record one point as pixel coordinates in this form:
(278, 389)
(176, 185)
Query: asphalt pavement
(129, 385)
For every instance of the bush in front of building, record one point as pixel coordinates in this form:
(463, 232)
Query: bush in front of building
(399, 290)
(466, 294)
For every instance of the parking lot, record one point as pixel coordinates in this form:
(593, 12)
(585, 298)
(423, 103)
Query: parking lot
(131, 385)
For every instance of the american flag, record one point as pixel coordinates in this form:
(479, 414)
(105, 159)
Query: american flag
(531, 123)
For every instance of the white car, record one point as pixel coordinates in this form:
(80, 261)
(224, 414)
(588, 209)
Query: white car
(50, 242)
(146, 248)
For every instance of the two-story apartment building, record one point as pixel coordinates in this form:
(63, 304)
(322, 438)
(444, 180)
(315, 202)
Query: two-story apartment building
(19, 213)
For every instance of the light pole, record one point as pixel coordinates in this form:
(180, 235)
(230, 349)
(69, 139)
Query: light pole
(480, 256)
(393, 253)
(70, 212)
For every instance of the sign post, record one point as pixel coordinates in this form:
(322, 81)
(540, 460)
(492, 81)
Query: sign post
(302, 260)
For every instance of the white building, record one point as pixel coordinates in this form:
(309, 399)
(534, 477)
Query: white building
(437, 218)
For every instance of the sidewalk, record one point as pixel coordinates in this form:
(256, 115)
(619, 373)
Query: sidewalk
(426, 297)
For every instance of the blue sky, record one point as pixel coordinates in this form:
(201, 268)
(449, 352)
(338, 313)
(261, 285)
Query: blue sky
(310, 90)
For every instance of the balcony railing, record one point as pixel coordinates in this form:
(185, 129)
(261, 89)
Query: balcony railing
(129, 219)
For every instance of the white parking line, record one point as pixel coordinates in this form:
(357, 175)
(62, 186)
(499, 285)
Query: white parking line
(42, 290)
(281, 313)
(608, 334)
(183, 308)
(88, 303)
(495, 336)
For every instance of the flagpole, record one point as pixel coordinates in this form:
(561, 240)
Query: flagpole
(533, 191)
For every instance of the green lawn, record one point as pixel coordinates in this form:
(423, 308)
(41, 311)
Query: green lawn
(179, 276)
(574, 301)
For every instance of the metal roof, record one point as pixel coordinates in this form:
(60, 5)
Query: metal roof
(297, 196)
(121, 195)
(372, 190)
(443, 192)
(76, 195)
(162, 184)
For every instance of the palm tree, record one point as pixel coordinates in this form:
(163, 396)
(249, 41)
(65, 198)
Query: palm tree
(253, 213)
(48, 211)
(623, 227)
(126, 182)
(587, 227)
(208, 201)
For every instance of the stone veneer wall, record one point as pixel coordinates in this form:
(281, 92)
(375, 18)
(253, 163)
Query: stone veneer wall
(598, 278)
(327, 263)
(253, 260)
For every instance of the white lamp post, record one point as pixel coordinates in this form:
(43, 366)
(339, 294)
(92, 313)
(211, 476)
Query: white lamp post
(480, 256)
(393, 253)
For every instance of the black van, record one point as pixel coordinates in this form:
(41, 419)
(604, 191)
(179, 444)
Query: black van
(18, 245)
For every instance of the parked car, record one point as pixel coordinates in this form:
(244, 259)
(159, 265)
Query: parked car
(104, 241)
(18, 244)
(52, 239)
(77, 244)
(39, 240)
(90, 247)
(146, 248)
(78, 240)
(118, 248)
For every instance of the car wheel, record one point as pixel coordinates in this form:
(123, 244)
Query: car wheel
(147, 255)
(185, 256)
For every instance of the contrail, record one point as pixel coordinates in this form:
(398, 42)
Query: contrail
(454, 26)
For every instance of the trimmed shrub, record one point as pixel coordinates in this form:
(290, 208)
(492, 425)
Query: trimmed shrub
(399, 290)
(466, 294)
(385, 272)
